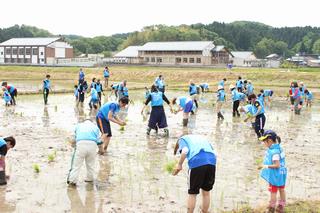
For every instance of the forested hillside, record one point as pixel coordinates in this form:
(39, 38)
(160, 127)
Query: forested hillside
(240, 35)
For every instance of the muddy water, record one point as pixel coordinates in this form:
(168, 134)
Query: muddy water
(131, 177)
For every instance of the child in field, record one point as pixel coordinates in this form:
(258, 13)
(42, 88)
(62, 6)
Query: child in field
(114, 89)
(222, 82)
(99, 90)
(274, 170)
(202, 168)
(296, 95)
(76, 93)
(193, 92)
(82, 90)
(308, 97)
(159, 82)
(108, 112)
(12, 91)
(249, 88)
(204, 87)
(81, 76)
(123, 90)
(146, 95)
(267, 93)
(157, 118)
(291, 95)
(6, 96)
(221, 99)
(93, 83)
(106, 75)
(46, 88)
(186, 105)
(94, 101)
(236, 101)
(239, 84)
(260, 118)
(5, 144)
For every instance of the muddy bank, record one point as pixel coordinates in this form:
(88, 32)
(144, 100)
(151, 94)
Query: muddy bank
(131, 177)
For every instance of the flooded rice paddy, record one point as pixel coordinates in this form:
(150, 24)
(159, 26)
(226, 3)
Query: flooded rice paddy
(131, 176)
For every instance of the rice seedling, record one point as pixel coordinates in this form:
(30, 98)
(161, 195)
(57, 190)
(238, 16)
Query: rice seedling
(36, 168)
(170, 165)
(121, 128)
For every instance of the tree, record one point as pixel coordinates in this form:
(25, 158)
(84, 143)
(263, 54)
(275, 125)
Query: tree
(316, 47)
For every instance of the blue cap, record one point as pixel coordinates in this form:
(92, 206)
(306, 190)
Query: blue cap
(268, 134)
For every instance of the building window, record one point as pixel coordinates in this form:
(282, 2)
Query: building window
(8, 51)
(1, 53)
(34, 51)
(14, 51)
(159, 60)
(41, 53)
(185, 60)
(21, 51)
(42, 60)
(153, 59)
(28, 51)
(198, 60)
(191, 60)
(178, 60)
(146, 59)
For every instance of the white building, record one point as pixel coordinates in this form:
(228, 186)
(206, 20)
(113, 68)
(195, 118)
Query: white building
(128, 55)
(34, 50)
(243, 58)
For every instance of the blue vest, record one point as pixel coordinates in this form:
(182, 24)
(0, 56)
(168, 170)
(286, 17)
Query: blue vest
(115, 87)
(147, 94)
(11, 89)
(221, 95)
(298, 93)
(276, 177)
(104, 110)
(309, 96)
(267, 93)
(242, 96)
(125, 91)
(2, 142)
(239, 84)
(94, 94)
(159, 83)
(192, 89)
(6, 96)
(156, 99)
(87, 131)
(46, 84)
(221, 83)
(81, 75)
(93, 85)
(261, 99)
(183, 101)
(235, 95)
(105, 73)
(261, 105)
(250, 109)
(250, 89)
(99, 87)
(76, 92)
(195, 144)
(204, 85)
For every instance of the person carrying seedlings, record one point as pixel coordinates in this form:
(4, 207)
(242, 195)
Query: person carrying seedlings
(46, 88)
(186, 105)
(108, 112)
(193, 92)
(221, 99)
(12, 90)
(123, 90)
(157, 118)
(159, 82)
(222, 82)
(99, 90)
(5, 144)
(81, 76)
(94, 101)
(106, 75)
(6, 97)
(308, 97)
(274, 170)
(202, 168)
(87, 137)
(204, 87)
(239, 84)
(235, 100)
(260, 118)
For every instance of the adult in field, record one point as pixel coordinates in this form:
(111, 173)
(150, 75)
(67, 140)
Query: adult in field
(123, 90)
(81, 76)
(186, 105)
(5, 144)
(202, 168)
(159, 82)
(106, 75)
(12, 91)
(46, 88)
(87, 137)
(108, 112)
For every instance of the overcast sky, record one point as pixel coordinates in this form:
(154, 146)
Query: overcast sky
(104, 17)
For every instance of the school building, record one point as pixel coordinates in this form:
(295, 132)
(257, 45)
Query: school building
(177, 53)
(34, 50)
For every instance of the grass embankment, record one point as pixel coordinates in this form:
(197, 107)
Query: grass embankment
(296, 207)
(176, 78)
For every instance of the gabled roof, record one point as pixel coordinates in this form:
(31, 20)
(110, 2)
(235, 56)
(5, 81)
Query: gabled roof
(129, 52)
(220, 48)
(176, 46)
(29, 41)
(242, 54)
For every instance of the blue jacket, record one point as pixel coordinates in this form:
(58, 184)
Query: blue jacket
(94, 94)
(99, 87)
(309, 96)
(221, 95)
(6, 96)
(235, 95)
(249, 89)
(103, 112)
(81, 75)
(106, 73)
(221, 83)
(276, 177)
(46, 84)
(159, 83)
(239, 84)
(261, 105)
(87, 131)
(183, 101)
(192, 89)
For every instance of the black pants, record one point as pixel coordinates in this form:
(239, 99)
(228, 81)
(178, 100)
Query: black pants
(235, 108)
(13, 95)
(259, 124)
(81, 97)
(45, 95)
(99, 95)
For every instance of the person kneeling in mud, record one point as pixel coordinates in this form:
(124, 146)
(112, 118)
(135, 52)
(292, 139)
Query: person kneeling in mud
(87, 137)
(186, 105)
(157, 118)
(108, 112)
(5, 144)
(202, 168)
